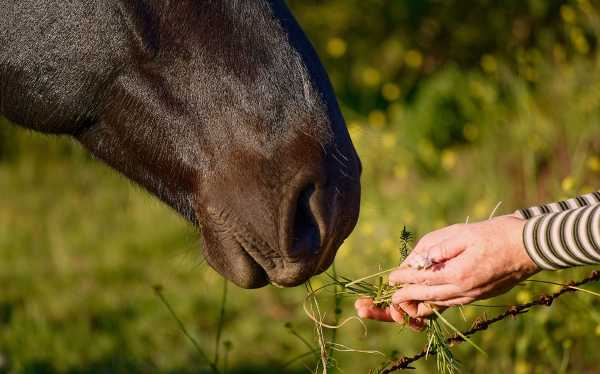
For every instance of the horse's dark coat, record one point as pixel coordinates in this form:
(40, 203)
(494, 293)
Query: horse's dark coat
(219, 107)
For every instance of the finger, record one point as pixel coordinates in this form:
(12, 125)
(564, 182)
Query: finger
(431, 276)
(397, 313)
(409, 308)
(366, 309)
(424, 310)
(447, 249)
(454, 302)
(376, 314)
(363, 302)
(417, 292)
(418, 311)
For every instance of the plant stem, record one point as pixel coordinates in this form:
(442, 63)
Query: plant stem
(304, 341)
(204, 356)
(371, 276)
(221, 322)
(336, 308)
(457, 331)
(565, 285)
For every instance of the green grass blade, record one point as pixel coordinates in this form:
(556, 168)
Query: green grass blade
(457, 331)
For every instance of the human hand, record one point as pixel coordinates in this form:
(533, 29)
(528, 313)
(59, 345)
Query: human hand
(470, 262)
(366, 309)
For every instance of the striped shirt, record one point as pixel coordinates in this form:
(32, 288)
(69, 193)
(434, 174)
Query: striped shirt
(563, 234)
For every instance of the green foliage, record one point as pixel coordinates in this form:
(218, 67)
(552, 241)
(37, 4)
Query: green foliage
(452, 106)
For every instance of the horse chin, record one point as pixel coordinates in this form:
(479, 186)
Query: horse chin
(230, 260)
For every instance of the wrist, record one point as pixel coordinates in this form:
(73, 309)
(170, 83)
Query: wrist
(524, 262)
(516, 257)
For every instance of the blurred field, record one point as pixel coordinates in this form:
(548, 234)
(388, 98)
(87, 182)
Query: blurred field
(452, 108)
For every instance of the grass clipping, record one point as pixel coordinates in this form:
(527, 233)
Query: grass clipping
(437, 328)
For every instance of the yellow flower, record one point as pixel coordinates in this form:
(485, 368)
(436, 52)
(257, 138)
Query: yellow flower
(377, 119)
(371, 77)
(368, 229)
(593, 163)
(568, 14)
(567, 184)
(579, 40)
(481, 90)
(413, 58)
(336, 47)
(523, 297)
(389, 140)
(390, 91)
(598, 329)
(522, 367)
(488, 63)
(448, 159)
(482, 208)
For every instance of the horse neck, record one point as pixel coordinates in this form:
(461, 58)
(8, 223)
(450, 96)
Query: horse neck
(55, 70)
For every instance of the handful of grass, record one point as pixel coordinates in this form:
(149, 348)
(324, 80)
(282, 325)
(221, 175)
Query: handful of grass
(380, 291)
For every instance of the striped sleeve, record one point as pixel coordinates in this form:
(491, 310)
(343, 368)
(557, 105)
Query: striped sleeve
(561, 206)
(564, 239)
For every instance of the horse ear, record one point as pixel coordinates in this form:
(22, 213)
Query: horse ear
(141, 17)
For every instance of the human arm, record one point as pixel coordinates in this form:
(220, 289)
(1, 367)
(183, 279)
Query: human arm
(480, 260)
(588, 199)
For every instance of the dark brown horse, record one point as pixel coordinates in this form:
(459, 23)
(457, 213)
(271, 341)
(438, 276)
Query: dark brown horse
(220, 108)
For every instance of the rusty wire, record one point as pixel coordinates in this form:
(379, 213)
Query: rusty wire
(481, 324)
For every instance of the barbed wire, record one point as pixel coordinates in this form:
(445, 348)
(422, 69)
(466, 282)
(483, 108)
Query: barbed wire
(481, 324)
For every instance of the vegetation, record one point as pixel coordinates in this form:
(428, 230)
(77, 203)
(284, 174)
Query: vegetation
(453, 106)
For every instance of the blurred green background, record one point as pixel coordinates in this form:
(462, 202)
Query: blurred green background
(452, 105)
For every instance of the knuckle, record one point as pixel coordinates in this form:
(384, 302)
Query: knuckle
(425, 241)
(468, 284)
(444, 250)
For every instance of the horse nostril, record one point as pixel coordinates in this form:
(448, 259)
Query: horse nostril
(305, 230)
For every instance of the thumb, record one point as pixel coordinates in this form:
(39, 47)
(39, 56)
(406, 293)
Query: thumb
(446, 250)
